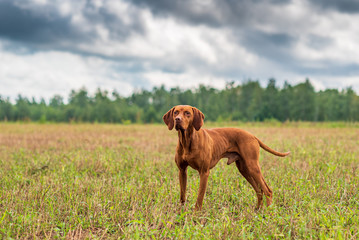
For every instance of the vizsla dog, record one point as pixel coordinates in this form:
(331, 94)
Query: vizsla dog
(202, 149)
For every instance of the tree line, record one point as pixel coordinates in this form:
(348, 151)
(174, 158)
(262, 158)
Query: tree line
(246, 101)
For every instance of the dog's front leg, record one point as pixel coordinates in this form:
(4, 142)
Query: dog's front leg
(202, 189)
(183, 184)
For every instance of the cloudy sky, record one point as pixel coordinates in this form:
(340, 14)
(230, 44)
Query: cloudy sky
(49, 47)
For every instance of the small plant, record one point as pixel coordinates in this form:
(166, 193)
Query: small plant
(106, 181)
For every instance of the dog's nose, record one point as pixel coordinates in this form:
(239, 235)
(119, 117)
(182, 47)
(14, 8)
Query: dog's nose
(178, 119)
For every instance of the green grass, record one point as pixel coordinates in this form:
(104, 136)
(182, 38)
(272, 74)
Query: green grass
(97, 181)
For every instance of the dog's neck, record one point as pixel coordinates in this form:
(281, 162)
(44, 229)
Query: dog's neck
(185, 138)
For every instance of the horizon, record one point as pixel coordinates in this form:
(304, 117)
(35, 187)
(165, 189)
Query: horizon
(91, 94)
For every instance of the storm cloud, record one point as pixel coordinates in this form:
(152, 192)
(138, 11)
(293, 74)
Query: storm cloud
(140, 44)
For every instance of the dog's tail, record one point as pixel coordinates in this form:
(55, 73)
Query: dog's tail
(268, 149)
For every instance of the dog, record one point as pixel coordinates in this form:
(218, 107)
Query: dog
(202, 149)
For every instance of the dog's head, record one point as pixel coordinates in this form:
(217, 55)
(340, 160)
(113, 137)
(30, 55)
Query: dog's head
(183, 117)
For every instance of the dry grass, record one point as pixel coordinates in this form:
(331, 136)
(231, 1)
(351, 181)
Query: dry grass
(113, 181)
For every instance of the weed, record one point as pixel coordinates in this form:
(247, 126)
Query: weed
(120, 181)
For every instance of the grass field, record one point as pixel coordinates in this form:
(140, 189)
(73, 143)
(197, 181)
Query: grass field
(120, 181)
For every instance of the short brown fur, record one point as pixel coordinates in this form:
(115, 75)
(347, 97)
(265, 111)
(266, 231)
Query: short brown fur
(202, 149)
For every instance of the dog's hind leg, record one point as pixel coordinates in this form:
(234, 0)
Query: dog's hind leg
(250, 154)
(244, 171)
(269, 198)
(256, 174)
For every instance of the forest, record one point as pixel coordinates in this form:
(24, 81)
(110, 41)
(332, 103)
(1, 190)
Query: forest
(247, 101)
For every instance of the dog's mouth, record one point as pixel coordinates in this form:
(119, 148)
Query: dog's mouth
(178, 126)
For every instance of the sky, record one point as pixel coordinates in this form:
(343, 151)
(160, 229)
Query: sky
(50, 47)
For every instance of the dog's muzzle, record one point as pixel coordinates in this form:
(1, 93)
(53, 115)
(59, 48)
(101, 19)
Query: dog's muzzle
(178, 125)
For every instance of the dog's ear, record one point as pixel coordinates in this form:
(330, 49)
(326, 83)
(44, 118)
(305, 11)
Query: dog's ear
(168, 119)
(198, 118)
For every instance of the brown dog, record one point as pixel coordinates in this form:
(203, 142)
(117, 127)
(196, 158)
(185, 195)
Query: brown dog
(202, 149)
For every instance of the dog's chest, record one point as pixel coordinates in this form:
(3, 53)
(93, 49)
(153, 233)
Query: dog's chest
(193, 160)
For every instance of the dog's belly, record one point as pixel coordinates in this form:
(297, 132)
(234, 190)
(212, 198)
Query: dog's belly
(232, 157)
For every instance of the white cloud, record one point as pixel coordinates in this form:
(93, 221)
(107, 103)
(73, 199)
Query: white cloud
(341, 83)
(45, 74)
(188, 80)
(139, 48)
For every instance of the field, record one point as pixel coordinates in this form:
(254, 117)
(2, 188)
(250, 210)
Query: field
(103, 181)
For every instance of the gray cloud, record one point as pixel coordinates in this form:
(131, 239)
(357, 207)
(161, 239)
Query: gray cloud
(24, 25)
(329, 68)
(43, 27)
(345, 6)
(119, 30)
(318, 42)
(269, 45)
(236, 13)
(150, 42)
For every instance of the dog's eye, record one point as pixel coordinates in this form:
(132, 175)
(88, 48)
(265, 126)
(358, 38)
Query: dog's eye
(188, 113)
(176, 112)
